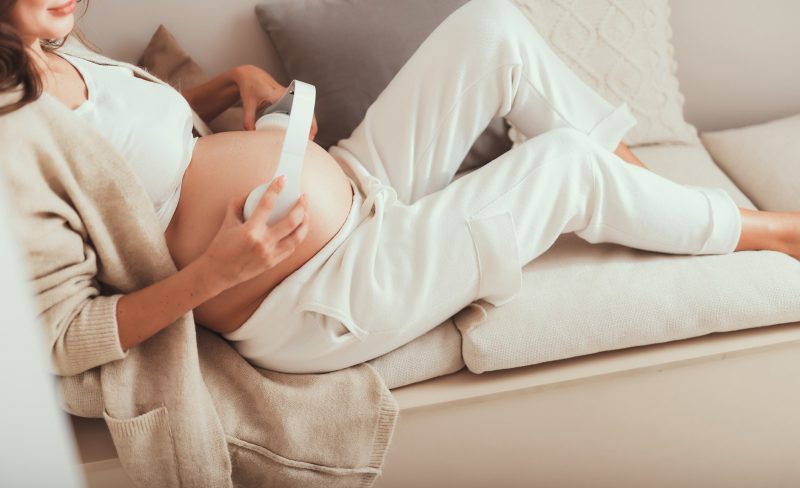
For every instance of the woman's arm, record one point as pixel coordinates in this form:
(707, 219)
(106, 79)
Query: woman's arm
(213, 97)
(252, 85)
(239, 251)
(145, 312)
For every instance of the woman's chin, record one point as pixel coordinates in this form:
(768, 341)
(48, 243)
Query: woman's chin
(59, 28)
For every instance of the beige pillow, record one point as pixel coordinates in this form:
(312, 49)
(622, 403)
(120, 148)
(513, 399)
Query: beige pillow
(623, 49)
(165, 58)
(763, 160)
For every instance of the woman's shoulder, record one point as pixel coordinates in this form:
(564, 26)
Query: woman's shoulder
(73, 47)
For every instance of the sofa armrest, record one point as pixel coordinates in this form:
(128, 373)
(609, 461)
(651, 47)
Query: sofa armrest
(763, 160)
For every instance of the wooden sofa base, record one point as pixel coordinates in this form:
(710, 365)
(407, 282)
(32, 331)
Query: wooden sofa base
(717, 410)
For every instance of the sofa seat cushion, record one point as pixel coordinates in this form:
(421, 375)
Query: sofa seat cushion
(433, 354)
(579, 298)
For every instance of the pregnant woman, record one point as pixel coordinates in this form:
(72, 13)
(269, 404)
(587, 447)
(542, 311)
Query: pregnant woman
(385, 244)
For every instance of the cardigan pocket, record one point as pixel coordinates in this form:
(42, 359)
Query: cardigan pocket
(255, 465)
(146, 448)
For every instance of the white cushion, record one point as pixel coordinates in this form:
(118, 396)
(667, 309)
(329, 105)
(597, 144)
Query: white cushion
(623, 49)
(433, 354)
(763, 159)
(580, 298)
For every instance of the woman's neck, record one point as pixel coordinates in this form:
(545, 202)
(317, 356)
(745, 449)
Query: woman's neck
(39, 59)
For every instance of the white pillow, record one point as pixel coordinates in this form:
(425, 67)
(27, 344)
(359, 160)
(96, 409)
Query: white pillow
(623, 49)
(763, 160)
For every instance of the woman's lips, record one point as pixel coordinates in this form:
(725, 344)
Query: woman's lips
(64, 9)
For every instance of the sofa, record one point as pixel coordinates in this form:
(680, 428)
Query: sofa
(614, 367)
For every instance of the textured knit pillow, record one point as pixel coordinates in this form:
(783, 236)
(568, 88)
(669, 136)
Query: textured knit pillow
(350, 50)
(165, 58)
(579, 298)
(623, 49)
(763, 160)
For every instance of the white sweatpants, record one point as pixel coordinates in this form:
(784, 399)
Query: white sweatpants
(419, 246)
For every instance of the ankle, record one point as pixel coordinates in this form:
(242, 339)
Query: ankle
(789, 233)
(765, 231)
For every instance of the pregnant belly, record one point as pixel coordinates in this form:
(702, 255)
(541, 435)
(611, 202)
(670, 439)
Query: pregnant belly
(227, 164)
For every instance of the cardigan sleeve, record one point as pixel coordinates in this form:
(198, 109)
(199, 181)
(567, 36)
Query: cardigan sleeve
(86, 338)
(80, 323)
(76, 310)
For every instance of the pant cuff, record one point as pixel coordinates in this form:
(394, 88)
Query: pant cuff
(610, 131)
(726, 221)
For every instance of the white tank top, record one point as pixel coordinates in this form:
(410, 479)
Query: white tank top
(151, 125)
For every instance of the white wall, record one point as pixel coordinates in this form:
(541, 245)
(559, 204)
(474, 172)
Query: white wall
(738, 59)
(219, 34)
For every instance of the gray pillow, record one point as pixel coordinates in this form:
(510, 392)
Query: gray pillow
(350, 50)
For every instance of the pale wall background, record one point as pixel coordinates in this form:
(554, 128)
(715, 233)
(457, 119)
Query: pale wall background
(738, 60)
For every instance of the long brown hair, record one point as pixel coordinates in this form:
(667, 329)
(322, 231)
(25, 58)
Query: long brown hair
(16, 65)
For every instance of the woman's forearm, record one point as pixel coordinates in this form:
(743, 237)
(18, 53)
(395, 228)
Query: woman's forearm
(143, 313)
(214, 96)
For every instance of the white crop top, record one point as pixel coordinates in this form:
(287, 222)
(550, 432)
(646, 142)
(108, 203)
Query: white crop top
(151, 125)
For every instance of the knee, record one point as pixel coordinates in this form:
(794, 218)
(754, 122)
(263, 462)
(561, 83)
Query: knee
(485, 20)
(496, 12)
(565, 139)
(573, 150)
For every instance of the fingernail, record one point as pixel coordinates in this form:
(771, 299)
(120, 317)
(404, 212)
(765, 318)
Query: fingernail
(281, 180)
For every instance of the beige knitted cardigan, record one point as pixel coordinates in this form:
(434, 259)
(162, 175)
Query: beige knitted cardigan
(183, 408)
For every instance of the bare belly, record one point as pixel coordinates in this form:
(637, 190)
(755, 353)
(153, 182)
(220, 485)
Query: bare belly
(227, 164)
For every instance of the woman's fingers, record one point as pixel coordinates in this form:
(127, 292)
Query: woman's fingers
(267, 201)
(314, 128)
(289, 244)
(291, 221)
(249, 111)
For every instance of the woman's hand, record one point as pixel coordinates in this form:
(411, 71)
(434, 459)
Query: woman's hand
(243, 250)
(258, 89)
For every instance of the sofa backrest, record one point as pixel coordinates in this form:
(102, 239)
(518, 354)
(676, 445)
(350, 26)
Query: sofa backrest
(737, 60)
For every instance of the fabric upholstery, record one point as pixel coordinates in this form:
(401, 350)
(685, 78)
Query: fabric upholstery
(564, 309)
(757, 156)
(623, 49)
(689, 164)
(352, 52)
(433, 354)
